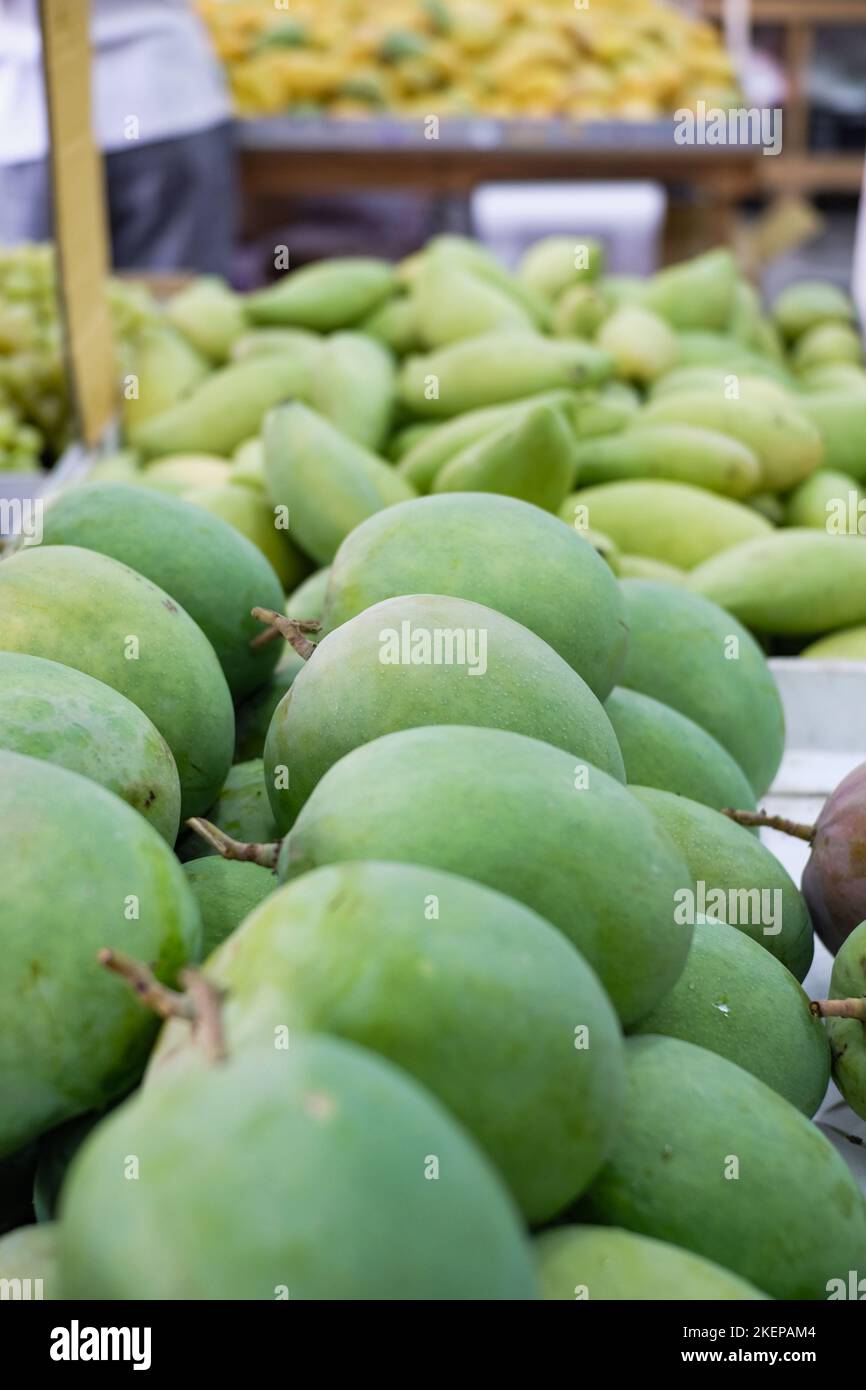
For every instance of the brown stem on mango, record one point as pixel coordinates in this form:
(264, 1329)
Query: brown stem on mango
(200, 1003)
(840, 1008)
(788, 827)
(265, 855)
(292, 629)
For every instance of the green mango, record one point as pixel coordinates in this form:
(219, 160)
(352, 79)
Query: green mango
(531, 458)
(306, 346)
(105, 871)
(797, 582)
(603, 1263)
(92, 613)
(395, 324)
(443, 442)
(833, 376)
(468, 253)
(700, 348)
(250, 514)
(734, 867)
(808, 304)
(207, 566)
(663, 748)
(781, 434)
(209, 315)
(56, 1151)
(241, 810)
(122, 466)
(177, 474)
(486, 548)
(846, 645)
(840, 417)
(847, 1036)
(606, 411)
(248, 464)
(308, 600)
(728, 991)
(328, 483)
(678, 453)
(404, 440)
(29, 1263)
(225, 409)
(253, 717)
(719, 379)
(497, 367)
(554, 263)
(696, 658)
(354, 388)
(747, 323)
(436, 795)
(408, 661)
(451, 304)
(162, 368)
(226, 892)
(580, 311)
(789, 1230)
(642, 345)
(641, 567)
(827, 343)
(674, 522)
(696, 294)
(825, 495)
(359, 952)
(326, 296)
(65, 717)
(330, 1200)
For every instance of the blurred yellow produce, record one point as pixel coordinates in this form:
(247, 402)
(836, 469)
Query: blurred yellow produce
(615, 59)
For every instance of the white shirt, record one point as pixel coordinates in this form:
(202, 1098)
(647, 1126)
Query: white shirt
(152, 61)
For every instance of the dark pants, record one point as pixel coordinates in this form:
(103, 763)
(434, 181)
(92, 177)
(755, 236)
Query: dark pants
(171, 204)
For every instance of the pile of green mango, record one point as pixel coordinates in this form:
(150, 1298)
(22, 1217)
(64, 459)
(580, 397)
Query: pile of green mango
(371, 925)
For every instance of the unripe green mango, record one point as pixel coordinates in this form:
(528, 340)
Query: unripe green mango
(353, 950)
(354, 387)
(642, 345)
(305, 345)
(249, 513)
(678, 453)
(209, 315)
(699, 293)
(553, 263)
(734, 866)
(248, 464)
(662, 748)
(405, 439)
(709, 377)
(789, 1229)
(451, 304)
(693, 656)
(531, 458)
(792, 583)
(840, 417)
(226, 892)
(565, 833)
(445, 441)
(180, 472)
(395, 324)
(241, 810)
(308, 600)
(497, 367)
(674, 522)
(469, 253)
(787, 443)
(642, 567)
(65, 717)
(408, 661)
(30, 1255)
(735, 999)
(92, 613)
(700, 348)
(166, 368)
(326, 296)
(847, 1036)
(328, 482)
(225, 409)
(122, 466)
(827, 494)
(486, 548)
(330, 1201)
(833, 376)
(808, 304)
(827, 342)
(580, 311)
(747, 317)
(207, 566)
(606, 411)
(847, 645)
(602, 1263)
(74, 1036)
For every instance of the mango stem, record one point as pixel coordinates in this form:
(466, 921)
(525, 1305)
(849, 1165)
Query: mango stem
(788, 827)
(200, 1002)
(265, 855)
(292, 629)
(839, 1008)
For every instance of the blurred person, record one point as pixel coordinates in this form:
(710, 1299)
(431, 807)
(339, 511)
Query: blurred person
(161, 116)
